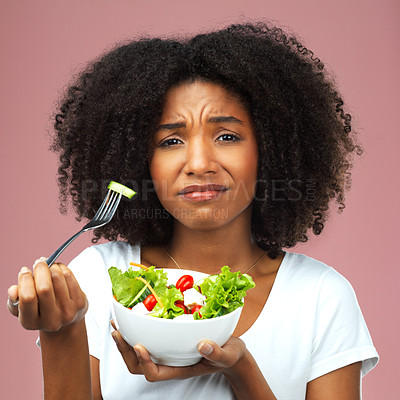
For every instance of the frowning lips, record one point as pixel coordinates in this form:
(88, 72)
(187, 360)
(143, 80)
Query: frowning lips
(203, 188)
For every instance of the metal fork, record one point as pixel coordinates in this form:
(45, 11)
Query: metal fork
(101, 218)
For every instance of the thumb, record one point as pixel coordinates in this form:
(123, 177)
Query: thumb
(12, 298)
(225, 356)
(212, 352)
(207, 349)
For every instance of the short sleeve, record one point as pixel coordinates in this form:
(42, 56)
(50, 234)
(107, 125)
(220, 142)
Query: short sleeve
(341, 336)
(89, 270)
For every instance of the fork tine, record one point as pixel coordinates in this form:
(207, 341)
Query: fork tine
(113, 209)
(109, 205)
(103, 204)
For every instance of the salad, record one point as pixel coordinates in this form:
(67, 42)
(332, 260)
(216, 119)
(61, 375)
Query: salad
(146, 291)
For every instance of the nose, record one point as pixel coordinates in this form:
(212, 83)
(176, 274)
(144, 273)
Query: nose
(200, 158)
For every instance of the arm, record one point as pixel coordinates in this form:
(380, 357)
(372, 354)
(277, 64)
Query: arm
(343, 383)
(51, 301)
(95, 372)
(65, 363)
(247, 381)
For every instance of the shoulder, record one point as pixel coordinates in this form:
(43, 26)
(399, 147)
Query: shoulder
(111, 251)
(312, 276)
(302, 268)
(94, 261)
(115, 252)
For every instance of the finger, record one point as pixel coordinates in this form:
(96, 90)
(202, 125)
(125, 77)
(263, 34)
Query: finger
(225, 356)
(152, 371)
(12, 298)
(28, 301)
(60, 288)
(127, 352)
(209, 350)
(45, 293)
(155, 373)
(40, 259)
(75, 292)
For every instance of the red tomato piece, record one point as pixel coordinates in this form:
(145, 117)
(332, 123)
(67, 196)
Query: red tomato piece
(185, 282)
(180, 304)
(149, 302)
(196, 308)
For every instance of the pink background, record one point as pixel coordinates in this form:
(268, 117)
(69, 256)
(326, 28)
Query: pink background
(43, 42)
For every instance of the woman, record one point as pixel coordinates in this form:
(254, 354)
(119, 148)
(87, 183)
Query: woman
(236, 142)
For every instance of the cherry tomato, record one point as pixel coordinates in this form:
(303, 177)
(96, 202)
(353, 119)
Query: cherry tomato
(149, 302)
(196, 308)
(185, 282)
(180, 304)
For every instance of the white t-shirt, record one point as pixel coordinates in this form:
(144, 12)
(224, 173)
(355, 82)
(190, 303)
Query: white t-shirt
(310, 325)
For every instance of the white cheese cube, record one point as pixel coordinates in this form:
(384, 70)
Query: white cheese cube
(192, 296)
(140, 308)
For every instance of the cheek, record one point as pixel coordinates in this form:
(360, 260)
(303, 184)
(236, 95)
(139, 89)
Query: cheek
(154, 170)
(249, 162)
(247, 172)
(156, 175)
(159, 168)
(162, 175)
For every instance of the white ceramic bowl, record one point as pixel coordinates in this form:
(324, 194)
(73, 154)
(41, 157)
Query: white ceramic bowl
(173, 342)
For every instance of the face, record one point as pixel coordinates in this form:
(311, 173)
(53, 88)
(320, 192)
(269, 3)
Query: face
(204, 158)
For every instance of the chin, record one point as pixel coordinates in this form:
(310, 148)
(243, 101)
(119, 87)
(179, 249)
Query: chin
(203, 219)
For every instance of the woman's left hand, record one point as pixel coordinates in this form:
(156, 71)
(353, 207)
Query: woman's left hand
(216, 358)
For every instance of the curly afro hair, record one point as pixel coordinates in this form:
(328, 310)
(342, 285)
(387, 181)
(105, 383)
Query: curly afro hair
(108, 115)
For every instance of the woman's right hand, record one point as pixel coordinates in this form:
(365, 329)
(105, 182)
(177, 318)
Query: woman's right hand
(49, 298)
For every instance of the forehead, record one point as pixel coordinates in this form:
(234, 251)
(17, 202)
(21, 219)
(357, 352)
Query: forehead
(201, 98)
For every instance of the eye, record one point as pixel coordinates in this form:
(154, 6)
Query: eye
(228, 137)
(170, 142)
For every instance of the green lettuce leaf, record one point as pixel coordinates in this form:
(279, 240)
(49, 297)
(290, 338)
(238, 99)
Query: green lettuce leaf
(170, 310)
(224, 293)
(130, 291)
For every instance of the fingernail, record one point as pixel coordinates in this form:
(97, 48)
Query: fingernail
(114, 336)
(41, 259)
(205, 348)
(24, 270)
(137, 351)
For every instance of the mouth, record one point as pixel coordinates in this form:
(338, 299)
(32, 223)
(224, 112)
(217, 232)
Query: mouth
(202, 192)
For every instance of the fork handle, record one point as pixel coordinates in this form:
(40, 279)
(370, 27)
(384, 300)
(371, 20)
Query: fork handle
(54, 256)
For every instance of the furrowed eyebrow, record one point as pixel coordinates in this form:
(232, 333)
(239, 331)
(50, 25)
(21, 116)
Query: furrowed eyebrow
(230, 119)
(212, 120)
(170, 127)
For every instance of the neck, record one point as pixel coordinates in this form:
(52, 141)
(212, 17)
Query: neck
(209, 250)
